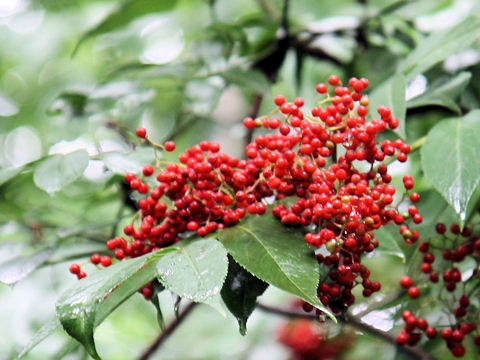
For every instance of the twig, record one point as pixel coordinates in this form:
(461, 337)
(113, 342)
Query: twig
(168, 331)
(294, 314)
(355, 322)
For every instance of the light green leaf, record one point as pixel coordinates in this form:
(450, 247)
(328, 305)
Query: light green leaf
(388, 238)
(441, 44)
(451, 163)
(85, 305)
(275, 254)
(57, 171)
(127, 12)
(196, 271)
(443, 93)
(391, 93)
(121, 164)
(45, 331)
(16, 269)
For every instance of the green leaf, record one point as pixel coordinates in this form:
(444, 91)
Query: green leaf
(240, 292)
(45, 331)
(7, 174)
(16, 269)
(119, 163)
(441, 44)
(391, 93)
(275, 254)
(434, 209)
(71, 103)
(388, 238)
(57, 171)
(443, 93)
(450, 160)
(251, 80)
(157, 289)
(85, 305)
(126, 13)
(196, 270)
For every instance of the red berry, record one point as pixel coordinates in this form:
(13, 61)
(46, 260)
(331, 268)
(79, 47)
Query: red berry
(106, 261)
(406, 282)
(141, 132)
(95, 259)
(414, 292)
(74, 268)
(170, 146)
(431, 332)
(279, 100)
(333, 80)
(148, 170)
(414, 197)
(322, 88)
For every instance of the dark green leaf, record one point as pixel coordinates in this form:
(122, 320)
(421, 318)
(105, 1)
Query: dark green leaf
(57, 171)
(441, 44)
(275, 254)
(388, 238)
(124, 14)
(19, 267)
(240, 292)
(45, 331)
(391, 93)
(450, 160)
(157, 289)
(85, 305)
(196, 270)
(71, 103)
(443, 93)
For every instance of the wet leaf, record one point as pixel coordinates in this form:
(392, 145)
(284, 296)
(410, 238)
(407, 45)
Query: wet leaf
(240, 292)
(451, 163)
(275, 254)
(84, 306)
(196, 270)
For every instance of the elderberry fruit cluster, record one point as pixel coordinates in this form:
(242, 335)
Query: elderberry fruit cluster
(442, 259)
(329, 160)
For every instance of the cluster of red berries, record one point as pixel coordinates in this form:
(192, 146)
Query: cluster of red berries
(329, 159)
(460, 318)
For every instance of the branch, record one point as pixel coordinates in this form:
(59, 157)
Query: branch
(355, 322)
(168, 331)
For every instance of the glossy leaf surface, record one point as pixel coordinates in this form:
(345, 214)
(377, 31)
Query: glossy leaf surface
(196, 270)
(275, 254)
